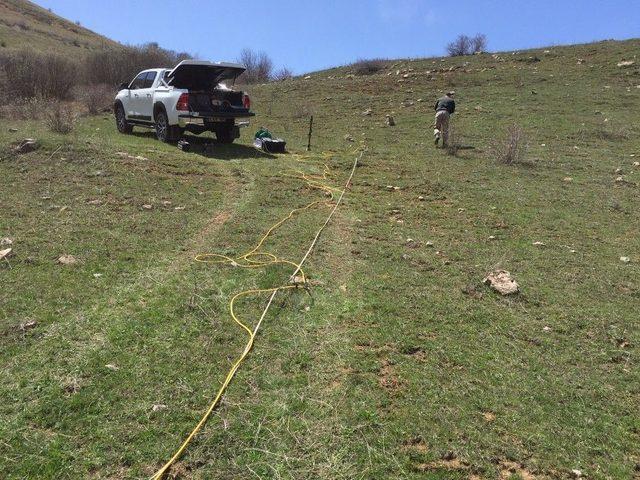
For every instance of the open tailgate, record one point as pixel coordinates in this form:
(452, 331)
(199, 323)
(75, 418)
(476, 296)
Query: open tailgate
(202, 75)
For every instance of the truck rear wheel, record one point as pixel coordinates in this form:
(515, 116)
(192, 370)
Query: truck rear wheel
(226, 134)
(165, 132)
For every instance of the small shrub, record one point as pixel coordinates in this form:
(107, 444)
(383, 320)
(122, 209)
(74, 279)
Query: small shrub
(97, 98)
(512, 149)
(465, 45)
(453, 145)
(3, 44)
(368, 67)
(283, 74)
(259, 67)
(60, 117)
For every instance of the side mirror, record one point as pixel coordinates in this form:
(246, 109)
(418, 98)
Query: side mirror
(123, 86)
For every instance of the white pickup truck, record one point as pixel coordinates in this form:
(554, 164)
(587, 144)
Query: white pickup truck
(193, 96)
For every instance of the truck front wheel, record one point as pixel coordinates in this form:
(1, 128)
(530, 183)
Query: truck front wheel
(121, 120)
(165, 132)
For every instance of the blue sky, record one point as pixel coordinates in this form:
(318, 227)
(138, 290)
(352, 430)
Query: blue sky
(310, 35)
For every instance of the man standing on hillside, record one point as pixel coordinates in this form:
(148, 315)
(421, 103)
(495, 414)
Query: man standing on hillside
(444, 108)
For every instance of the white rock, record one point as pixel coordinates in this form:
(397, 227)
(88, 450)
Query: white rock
(67, 260)
(501, 281)
(6, 241)
(111, 366)
(539, 244)
(158, 407)
(625, 259)
(546, 329)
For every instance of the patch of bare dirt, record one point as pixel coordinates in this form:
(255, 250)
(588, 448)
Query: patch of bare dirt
(387, 377)
(415, 444)
(508, 468)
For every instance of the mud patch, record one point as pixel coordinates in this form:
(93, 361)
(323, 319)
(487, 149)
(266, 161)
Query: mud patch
(508, 469)
(415, 444)
(387, 377)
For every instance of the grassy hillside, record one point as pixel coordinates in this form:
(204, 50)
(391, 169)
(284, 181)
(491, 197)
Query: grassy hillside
(397, 362)
(23, 23)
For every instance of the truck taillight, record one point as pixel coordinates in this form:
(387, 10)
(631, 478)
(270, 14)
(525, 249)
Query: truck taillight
(246, 101)
(183, 102)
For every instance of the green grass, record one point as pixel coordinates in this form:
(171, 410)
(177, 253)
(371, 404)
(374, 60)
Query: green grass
(386, 368)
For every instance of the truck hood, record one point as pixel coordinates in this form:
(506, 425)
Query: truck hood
(202, 75)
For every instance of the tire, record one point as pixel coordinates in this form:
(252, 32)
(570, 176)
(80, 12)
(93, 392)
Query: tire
(165, 132)
(225, 134)
(121, 120)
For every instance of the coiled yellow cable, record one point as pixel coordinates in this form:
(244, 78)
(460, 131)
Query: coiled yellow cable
(251, 259)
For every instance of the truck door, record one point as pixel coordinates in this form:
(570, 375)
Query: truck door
(132, 106)
(145, 97)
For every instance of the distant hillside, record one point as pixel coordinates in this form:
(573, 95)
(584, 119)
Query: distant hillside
(23, 23)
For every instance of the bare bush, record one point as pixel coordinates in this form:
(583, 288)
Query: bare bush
(283, 74)
(465, 45)
(368, 67)
(27, 73)
(97, 98)
(453, 144)
(113, 67)
(259, 67)
(479, 43)
(512, 148)
(60, 117)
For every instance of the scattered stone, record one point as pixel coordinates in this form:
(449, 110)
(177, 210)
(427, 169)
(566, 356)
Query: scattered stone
(158, 407)
(6, 241)
(27, 145)
(626, 63)
(625, 259)
(618, 170)
(147, 206)
(636, 164)
(429, 244)
(492, 237)
(13, 130)
(575, 473)
(546, 329)
(421, 198)
(111, 366)
(179, 208)
(367, 112)
(620, 179)
(567, 179)
(166, 203)
(501, 281)
(390, 121)
(349, 138)
(97, 275)
(5, 253)
(28, 325)
(67, 260)
(140, 157)
(94, 202)
(539, 244)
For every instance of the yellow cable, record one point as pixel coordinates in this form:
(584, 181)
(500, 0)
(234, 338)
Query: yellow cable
(251, 260)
